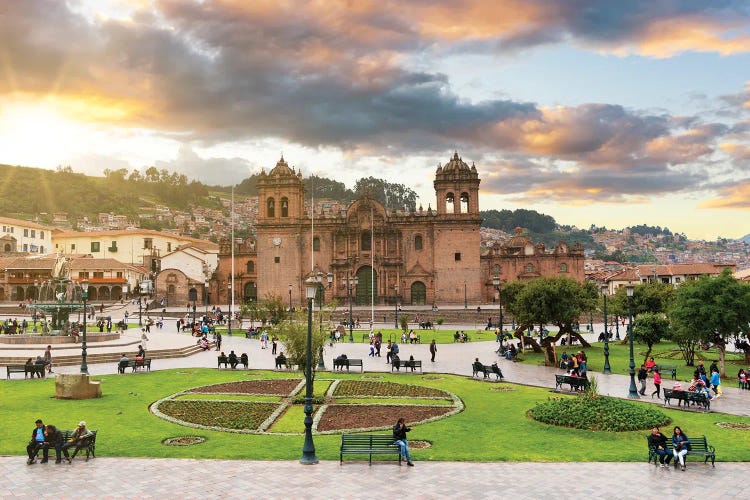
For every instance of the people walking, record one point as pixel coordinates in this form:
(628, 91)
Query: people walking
(657, 383)
(642, 377)
(433, 350)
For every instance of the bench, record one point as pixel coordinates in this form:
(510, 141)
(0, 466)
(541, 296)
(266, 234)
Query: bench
(144, 363)
(486, 371)
(672, 369)
(88, 444)
(407, 364)
(575, 383)
(32, 370)
(699, 447)
(288, 365)
(347, 363)
(688, 397)
(225, 362)
(368, 444)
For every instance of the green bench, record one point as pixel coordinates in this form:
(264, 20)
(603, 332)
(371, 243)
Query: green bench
(672, 369)
(406, 364)
(27, 370)
(699, 447)
(340, 364)
(575, 383)
(88, 445)
(368, 444)
(486, 371)
(144, 363)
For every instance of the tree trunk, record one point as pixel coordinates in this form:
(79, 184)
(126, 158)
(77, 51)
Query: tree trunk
(648, 353)
(722, 359)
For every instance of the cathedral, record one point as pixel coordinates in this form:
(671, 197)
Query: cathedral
(386, 256)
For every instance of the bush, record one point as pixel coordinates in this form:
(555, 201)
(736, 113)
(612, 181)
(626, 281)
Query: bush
(440, 321)
(599, 414)
(300, 400)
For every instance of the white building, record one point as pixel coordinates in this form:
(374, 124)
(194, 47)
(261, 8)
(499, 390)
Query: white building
(21, 236)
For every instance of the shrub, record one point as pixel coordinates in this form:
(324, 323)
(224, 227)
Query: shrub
(440, 321)
(599, 414)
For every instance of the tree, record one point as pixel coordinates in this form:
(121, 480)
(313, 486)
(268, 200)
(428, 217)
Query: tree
(390, 195)
(551, 301)
(712, 310)
(650, 328)
(647, 298)
(292, 332)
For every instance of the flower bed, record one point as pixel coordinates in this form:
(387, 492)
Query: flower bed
(279, 387)
(342, 417)
(367, 388)
(227, 414)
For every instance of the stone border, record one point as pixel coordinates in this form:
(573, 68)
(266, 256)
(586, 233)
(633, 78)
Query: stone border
(734, 426)
(173, 441)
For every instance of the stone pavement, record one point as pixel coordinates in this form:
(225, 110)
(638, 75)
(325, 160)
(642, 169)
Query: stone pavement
(189, 478)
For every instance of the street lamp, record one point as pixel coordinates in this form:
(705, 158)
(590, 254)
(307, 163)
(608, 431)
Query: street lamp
(290, 297)
(496, 285)
(351, 281)
(607, 368)
(308, 448)
(466, 304)
(36, 293)
(633, 393)
(84, 296)
(229, 319)
(395, 292)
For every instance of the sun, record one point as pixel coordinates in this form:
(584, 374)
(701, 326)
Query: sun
(37, 134)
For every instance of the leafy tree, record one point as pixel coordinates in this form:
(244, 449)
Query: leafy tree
(647, 298)
(292, 332)
(551, 301)
(508, 220)
(712, 310)
(391, 195)
(650, 328)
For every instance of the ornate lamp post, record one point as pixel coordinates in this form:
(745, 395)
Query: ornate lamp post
(617, 327)
(84, 296)
(633, 392)
(607, 368)
(395, 292)
(290, 297)
(351, 281)
(308, 449)
(140, 306)
(36, 293)
(466, 303)
(496, 285)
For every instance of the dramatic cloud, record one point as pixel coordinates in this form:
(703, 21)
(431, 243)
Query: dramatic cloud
(734, 196)
(211, 171)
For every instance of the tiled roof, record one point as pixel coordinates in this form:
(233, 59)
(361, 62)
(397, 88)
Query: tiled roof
(24, 223)
(132, 232)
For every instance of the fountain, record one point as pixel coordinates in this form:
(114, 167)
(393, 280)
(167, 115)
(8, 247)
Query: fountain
(59, 297)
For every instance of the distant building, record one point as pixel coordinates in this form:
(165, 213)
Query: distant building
(673, 274)
(21, 236)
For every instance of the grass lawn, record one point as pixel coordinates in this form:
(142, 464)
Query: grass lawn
(664, 352)
(493, 427)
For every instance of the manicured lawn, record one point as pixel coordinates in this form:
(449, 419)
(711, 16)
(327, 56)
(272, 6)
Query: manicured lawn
(493, 427)
(665, 352)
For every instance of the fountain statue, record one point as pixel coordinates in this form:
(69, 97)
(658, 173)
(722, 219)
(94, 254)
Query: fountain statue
(58, 297)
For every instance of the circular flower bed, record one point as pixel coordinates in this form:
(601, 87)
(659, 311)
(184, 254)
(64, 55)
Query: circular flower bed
(599, 414)
(503, 388)
(737, 426)
(183, 441)
(279, 387)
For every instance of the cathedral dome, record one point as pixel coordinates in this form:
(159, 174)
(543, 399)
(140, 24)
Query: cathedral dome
(282, 169)
(518, 241)
(456, 164)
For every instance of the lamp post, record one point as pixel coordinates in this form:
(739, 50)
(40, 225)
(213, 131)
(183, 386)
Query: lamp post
(617, 327)
(308, 448)
(194, 318)
(36, 293)
(607, 368)
(395, 292)
(84, 296)
(140, 309)
(591, 322)
(633, 392)
(351, 282)
(466, 304)
(229, 318)
(496, 285)
(290, 297)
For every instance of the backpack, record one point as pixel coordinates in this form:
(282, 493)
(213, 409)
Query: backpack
(395, 348)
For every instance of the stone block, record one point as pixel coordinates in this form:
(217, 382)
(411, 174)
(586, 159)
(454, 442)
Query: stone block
(76, 386)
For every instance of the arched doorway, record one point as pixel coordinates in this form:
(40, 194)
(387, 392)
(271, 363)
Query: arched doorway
(366, 277)
(7, 248)
(171, 294)
(251, 292)
(418, 293)
(193, 295)
(103, 293)
(116, 293)
(20, 295)
(2, 293)
(93, 294)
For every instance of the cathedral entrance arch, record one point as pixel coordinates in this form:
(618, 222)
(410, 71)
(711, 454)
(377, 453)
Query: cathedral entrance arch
(365, 286)
(251, 292)
(418, 293)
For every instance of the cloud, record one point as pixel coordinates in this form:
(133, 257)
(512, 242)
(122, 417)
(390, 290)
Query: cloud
(211, 171)
(736, 196)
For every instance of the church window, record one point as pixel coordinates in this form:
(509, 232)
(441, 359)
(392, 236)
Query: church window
(270, 208)
(496, 269)
(276, 260)
(457, 256)
(418, 242)
(316, 244)
(250, 266)
(563, 268)
(285, 207)
(366, 243)
(529, 268)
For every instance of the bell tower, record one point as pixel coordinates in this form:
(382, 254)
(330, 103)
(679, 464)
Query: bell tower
(457, 188)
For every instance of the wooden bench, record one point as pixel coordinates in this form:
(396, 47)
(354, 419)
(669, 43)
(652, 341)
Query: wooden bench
(575, 383)
(144, 363)
(347, 363)
(407, 364)
(486, 371)
(288, 365)
(32, 370)
(225, 362)
(672, 369)
(368, 444)
(688, 397)
(88, 444)
(699, 447)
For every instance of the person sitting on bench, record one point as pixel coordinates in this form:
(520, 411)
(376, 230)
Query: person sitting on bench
(233, 361)
(410, 363)
(496, 370)
(479, 367)
(223, 359)
(396, 362)
(123, 363)
(280, 361)
(76, 439)
(342, 361)
(244, 359)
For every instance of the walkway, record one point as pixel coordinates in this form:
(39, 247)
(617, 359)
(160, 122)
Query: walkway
(202, 479)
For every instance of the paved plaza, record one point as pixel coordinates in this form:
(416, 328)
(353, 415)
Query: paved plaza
(106, 477)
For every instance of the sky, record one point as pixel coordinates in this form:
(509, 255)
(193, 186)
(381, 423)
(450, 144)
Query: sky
(596, 112)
